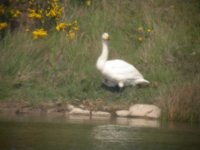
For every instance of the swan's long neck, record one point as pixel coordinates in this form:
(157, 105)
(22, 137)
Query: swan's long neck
(104, 55)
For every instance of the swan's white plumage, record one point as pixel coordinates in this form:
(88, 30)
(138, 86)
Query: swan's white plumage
(117, 72)
(121, 70)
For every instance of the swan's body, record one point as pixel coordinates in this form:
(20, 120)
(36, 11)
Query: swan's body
(117, 72)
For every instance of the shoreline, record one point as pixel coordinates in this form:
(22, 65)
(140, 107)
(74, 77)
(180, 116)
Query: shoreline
(65, 109)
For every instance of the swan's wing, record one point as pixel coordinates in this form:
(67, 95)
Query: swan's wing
(119, 69)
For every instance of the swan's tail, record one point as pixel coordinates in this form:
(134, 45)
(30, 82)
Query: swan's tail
(142, 82)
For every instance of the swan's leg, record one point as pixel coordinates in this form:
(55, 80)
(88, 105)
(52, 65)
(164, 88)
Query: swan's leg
(108, 83)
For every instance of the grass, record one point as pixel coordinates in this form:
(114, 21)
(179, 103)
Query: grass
(55, 69)
(182, 103)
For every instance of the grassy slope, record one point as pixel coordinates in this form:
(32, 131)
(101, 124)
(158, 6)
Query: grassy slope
(56, 69)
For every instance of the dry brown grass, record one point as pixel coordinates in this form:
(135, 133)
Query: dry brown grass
(183, 102)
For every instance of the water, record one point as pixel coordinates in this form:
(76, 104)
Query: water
(29, 133)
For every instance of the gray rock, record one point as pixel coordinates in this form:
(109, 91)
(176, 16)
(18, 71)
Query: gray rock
(79, 118)
(79, 111)
(70, 107)
(145, 110)
(101, 114)
(122, 113)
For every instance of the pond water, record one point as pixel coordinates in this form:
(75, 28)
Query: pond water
(29, 133)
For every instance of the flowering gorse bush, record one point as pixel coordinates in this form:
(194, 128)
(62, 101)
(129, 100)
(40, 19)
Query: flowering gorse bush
(36, 16)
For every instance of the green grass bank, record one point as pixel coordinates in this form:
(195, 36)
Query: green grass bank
(160, 37)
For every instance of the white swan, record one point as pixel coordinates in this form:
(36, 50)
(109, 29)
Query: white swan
(117, 72)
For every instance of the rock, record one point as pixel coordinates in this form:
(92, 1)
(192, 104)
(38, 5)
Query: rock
(81, 106)
(79, 118)
(145, 110)
(70, 107)
(122, 113)
(79, 111)
(101, 114)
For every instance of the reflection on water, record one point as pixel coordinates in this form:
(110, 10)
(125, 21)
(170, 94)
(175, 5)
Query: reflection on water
(24, 133)
(112, 133)
(133, 137)
(138, 122)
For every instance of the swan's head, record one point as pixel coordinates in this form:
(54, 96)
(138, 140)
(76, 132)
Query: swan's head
(105, 36)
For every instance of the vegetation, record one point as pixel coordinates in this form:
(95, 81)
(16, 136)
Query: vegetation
(55, 59)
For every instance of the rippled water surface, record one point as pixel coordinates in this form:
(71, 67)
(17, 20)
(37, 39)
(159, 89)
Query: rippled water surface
(25, 133)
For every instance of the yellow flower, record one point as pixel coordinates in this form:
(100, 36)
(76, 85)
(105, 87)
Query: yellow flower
(74, 25)
(3, 25)
(71, 35)
(61, 26)
(149, 30)
(69, 25)
(52, 13)
(34, 14)
(75, 22)
(88, 2)
(55, 11)
(39, 33)
(15, 13)
(140, 29)
(75, 28)
(140, 39)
